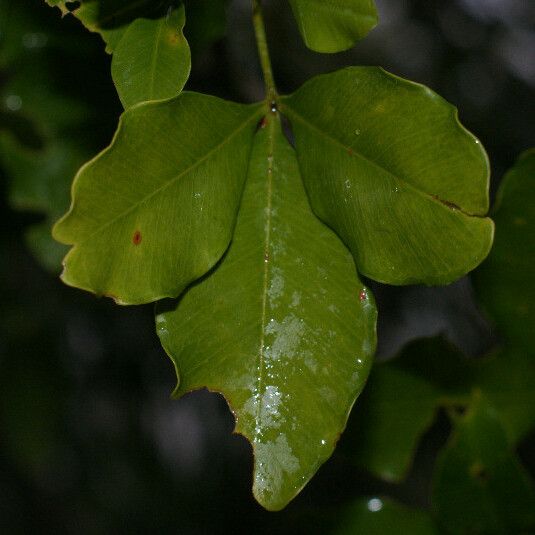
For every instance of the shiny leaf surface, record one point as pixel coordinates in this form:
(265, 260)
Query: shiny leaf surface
(152, 60)
(388, 166)
(479, 486)
(334, 25)
(505, 283)
(151, 214)
(282, 327)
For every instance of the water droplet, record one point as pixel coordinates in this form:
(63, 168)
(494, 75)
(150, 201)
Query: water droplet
(360, 362)
(347, 184)
(323, 442)
(13, 102)
(357, 132)
(363, 295)
(273, 106)
(375, 505)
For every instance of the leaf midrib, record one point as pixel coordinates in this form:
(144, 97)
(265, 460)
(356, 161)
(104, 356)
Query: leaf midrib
(169, 182)
(443, 203)
(267, 263)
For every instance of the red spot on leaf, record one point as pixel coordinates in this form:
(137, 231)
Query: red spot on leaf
(136, 238)
(350, 151)
(363, 295)
(262, 123)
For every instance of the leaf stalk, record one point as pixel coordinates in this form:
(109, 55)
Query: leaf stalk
(263, 51)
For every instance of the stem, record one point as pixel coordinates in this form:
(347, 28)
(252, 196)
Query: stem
(263, 52)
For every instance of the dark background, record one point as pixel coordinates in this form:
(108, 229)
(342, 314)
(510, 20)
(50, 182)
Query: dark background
(89, 439)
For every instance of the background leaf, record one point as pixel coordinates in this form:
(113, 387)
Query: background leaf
(400, 403)
(479, 485)
(334, 25)
(388, 166)
(40, 181)
(505, 283)
(282, 327)
(152, 60)
(507, 380)
(376, 516)
(40, 143)
(152, 213)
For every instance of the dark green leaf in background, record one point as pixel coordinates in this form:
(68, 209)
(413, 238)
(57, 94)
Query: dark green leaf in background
(507, 380)
(388, 166)
(400, 402)
(152, 60)
(207, 22)
(151, 214)
(378, 516)
(505, 283)
(282, 327)
(39, 153)
(334, 25)
(479, 486)
(40, 182)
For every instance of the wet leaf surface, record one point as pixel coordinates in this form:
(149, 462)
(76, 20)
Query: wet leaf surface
(282, 327)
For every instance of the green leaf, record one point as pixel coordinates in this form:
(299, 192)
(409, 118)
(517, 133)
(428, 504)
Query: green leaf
(507, 380)
(39, 181)
(505, 283)
(334, 25)
(388, 166)
(152, 60)
(156, 209)
(401, 400)
(283, 327)
(376, 516)
(479, 486)
(207, 22)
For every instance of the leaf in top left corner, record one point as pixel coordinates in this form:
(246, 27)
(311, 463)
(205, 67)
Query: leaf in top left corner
(152, 61)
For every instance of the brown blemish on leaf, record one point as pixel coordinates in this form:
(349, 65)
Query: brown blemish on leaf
(449, 204)
(136, 238)
(262, 123)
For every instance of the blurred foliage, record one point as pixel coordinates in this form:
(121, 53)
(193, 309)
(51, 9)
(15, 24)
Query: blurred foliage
(90, 441)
